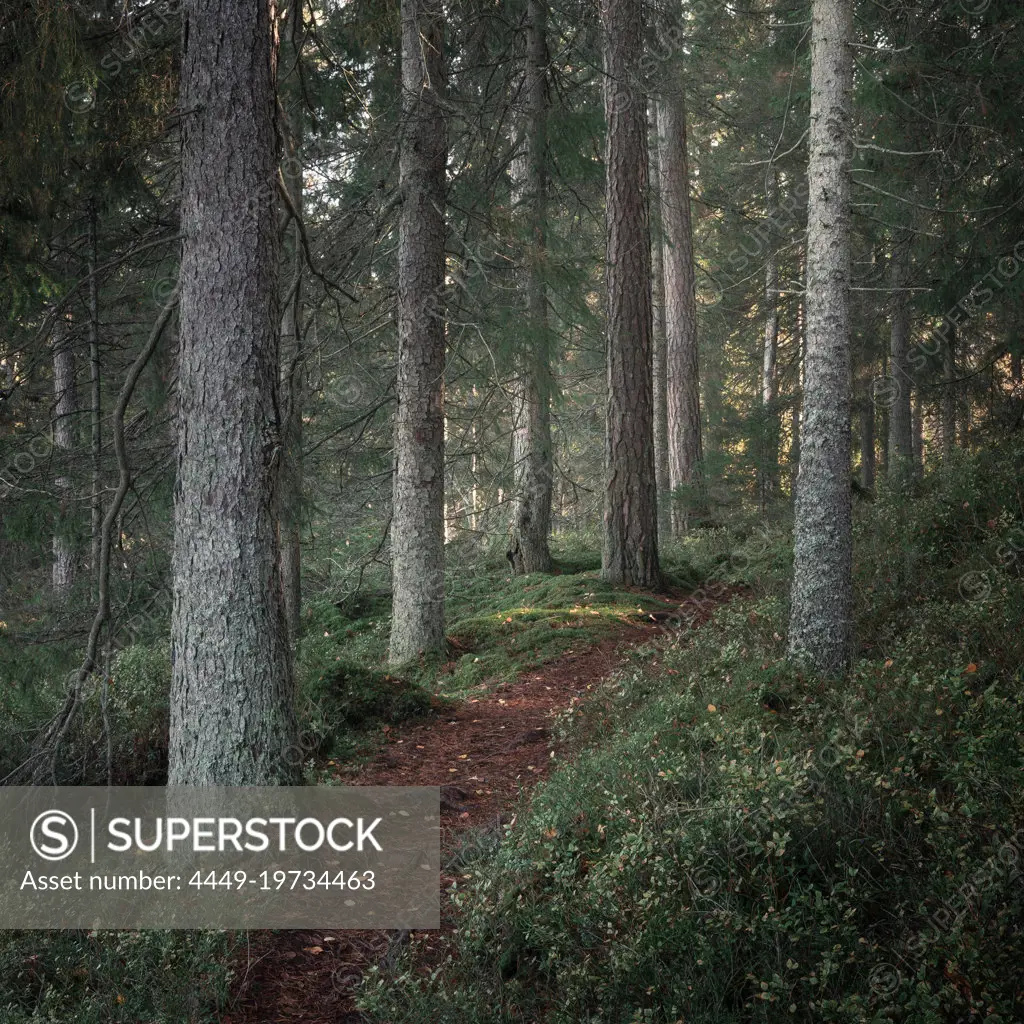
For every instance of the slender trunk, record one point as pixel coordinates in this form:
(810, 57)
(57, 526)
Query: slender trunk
(901, 427)
(769, 456)
(64, 409)
(867, 443)
(232, 701)
(96, 404)
(947, 401)
(796, 412)
(532, 456)
(918, 435)
(661, 470)
(630, 549)
(418, 528)
(292, 342)
(880, 394)
(820, 621)
(683, 376)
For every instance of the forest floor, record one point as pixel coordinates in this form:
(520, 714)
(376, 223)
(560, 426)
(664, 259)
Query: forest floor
(484, 752)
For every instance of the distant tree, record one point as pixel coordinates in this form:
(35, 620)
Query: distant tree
(531, 401)
(682, 363)
(65, 407)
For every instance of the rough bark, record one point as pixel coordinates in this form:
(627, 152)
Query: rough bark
(820, 621)
(232, 714)
(417, 531)
(531, 402)
(630, 548)
(948, 399)
(292, 343)
(661, 470)
(901, 430)
(65, 406)
(683, 376)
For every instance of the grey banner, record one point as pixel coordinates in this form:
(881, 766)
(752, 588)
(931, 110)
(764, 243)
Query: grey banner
(288, 857)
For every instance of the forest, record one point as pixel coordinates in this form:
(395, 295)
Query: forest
(610, 412)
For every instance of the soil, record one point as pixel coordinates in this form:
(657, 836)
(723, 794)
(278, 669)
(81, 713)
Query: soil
(483, 754)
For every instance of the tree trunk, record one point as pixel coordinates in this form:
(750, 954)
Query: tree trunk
(769, 455)
(820, 620)
(948, 399)
(918, 435)
(683, 376)
(417, 529)
(661, 470)
(901, 428)
(292, 344)
(232, 710)
(96, 404)
(630, 548)
(796, 412)
(65, 408)
(531, 438)
(867, 443)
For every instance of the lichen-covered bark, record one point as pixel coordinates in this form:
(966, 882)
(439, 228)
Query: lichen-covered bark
(417, 529)
(682, 363)
(820, 620)
(65, 407)
(901, 439)
(630, 549)
(232, 714)
(531, 400)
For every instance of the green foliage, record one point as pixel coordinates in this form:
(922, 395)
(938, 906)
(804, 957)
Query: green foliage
(113, 977)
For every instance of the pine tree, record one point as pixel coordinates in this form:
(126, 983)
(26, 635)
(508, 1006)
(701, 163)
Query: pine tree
(820, 618)
(232, 714)
(417, 528)
(630, 550)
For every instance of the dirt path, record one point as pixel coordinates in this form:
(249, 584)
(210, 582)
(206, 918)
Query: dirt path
(484, 753)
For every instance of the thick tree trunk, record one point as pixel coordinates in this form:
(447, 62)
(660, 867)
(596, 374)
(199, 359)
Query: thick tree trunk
(630, 549)
(683, 376)
(661, 469)
(901, 428)
(820, 620)
(292, 346)
(65, 407)
(417, 529)
(948, 399)
(232, 713)
(531, 404)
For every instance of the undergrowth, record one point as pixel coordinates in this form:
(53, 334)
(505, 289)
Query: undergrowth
(740, 842)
